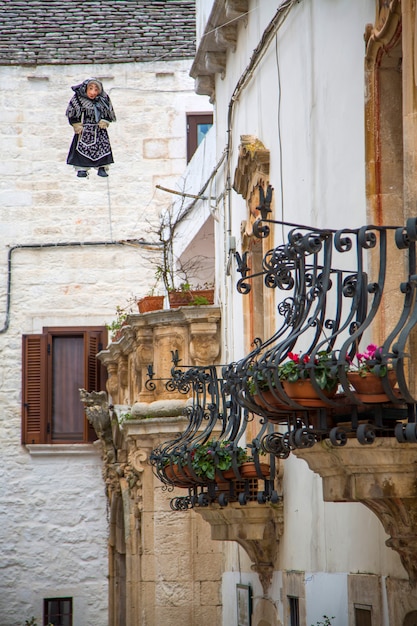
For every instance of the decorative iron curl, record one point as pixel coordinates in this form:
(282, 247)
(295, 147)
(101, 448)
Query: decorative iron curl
(277, 444)
(338, 436)
(341, 242)
(181, 503)
(350, 286)
(304, 438)
(259, 230)
(287, 310)
(150, 385)
(367, 238)
(178, 385)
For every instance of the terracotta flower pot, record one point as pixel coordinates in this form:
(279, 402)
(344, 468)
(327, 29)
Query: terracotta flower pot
(179, 298)
(303, 392)
(248, 470)
(370, 388)
(150, 303)
(208, 294)
(266, 400)
(176, 476)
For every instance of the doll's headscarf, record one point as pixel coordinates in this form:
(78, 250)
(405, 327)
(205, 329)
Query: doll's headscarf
(101, 105)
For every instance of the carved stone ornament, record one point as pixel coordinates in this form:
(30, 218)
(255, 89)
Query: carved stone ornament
(256, 528)
(253, 162)
(386, 30)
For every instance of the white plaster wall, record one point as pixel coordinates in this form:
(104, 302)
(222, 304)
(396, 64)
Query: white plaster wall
(318, 58)
(53, 525)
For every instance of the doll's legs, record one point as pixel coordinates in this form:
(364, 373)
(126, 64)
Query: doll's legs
(102, 171)
(82, 172)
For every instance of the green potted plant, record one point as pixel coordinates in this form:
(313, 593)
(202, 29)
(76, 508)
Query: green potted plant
(366, 374)
(295, 375)
(216, 455)
(117, 324)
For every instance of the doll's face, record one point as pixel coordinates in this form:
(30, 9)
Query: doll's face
(92, 91)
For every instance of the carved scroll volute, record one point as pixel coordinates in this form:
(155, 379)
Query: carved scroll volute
(168, 339)
(385, 31)
(143, 357)
(112, 384)
(122, 372)
(205, 343)
(253, 160)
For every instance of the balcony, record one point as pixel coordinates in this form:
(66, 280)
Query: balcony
(341, 289)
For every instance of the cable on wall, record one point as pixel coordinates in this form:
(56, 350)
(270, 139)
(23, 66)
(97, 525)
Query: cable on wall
(137, 243)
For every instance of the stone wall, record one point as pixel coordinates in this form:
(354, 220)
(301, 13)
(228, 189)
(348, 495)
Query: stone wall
(52, 503)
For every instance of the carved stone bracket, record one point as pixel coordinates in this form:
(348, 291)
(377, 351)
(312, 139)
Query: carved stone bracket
(383, 477)
(253, 161)
(257, 528)
(219, 36)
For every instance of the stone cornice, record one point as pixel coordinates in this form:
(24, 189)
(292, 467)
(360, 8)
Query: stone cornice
(220, 36)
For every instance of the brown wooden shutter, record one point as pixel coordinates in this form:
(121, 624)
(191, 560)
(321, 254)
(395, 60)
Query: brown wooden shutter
(34, 389)
(94, 371)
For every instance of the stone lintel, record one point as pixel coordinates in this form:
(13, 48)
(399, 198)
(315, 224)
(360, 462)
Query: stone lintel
(383, 477)
(255, 527)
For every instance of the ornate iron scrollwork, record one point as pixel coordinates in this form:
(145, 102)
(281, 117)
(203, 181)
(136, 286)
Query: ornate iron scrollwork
(334, 284)
(216, 422)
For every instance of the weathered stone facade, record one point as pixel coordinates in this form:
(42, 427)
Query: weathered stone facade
(53, 512)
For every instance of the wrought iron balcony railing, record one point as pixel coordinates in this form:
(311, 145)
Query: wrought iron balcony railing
(340, 290)
(211, 458)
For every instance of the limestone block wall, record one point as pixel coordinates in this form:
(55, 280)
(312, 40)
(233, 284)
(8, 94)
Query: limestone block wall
(52, 504)
(172, 569)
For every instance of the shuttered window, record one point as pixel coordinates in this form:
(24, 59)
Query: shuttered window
(56, 364)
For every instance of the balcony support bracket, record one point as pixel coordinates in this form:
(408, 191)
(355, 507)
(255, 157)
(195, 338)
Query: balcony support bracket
(383, 477)
(257, 528)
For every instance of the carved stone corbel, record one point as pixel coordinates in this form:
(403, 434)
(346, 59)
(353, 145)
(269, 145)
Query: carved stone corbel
(257, 528)
(98, 414)
(226, 37)
(383, 477)
(204, 85)
(216, 62)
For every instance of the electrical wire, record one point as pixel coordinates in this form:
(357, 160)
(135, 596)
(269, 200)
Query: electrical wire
(137, 243)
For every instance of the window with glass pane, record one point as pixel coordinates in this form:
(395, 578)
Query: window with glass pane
(363, 615)
(198, 125)
(294, 611)
(57, 611)
(55, 365)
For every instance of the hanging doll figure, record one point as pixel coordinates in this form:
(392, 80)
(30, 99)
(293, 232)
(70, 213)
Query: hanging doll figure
(89, 112)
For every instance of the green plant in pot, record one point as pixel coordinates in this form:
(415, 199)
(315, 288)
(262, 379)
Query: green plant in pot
(367, 374)
(115, 326)
(295, 369)
(214, 454)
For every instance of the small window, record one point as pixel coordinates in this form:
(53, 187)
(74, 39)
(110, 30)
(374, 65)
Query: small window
(57, 611)
(293, 604)
(363, 615)
(56, 364)
(198, 125)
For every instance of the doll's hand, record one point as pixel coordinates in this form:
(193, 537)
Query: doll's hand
(78, 128)
(103, 124)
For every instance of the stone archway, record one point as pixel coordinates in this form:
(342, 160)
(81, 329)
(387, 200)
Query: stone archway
(410, 619)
